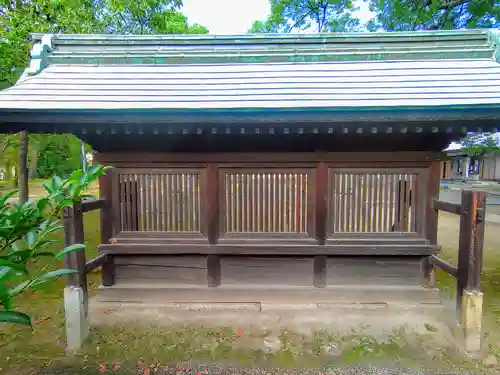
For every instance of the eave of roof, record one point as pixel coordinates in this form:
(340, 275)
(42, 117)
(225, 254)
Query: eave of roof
(388, 75)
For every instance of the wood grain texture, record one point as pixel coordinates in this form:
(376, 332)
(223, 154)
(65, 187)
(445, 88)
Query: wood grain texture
(373, 271)
(188, 270)
(159, 293)
(267, 271)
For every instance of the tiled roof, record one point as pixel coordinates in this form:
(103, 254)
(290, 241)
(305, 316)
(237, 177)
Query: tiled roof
(431, 69)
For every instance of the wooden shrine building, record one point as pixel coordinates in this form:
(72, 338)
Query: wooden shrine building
(264, 167)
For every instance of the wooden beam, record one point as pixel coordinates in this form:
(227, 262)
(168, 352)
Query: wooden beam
(94, 263)
(452, 208)
(92, 204)
(267, 249)
(203, 159)
(444, 265)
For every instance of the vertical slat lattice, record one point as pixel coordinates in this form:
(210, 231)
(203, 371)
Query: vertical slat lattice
(162, 201)
(372, 202)
(265, 202)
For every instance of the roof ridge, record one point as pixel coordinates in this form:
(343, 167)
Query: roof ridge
(139, 49)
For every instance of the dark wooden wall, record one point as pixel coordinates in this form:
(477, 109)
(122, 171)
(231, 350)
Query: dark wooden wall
(306, 215)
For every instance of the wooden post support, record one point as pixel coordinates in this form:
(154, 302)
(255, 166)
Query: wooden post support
(214, 272)
(321, 202)
(431, 226)
(75, 294)
(106, 193)
(319, 266)
(73, 234)
(470, 260)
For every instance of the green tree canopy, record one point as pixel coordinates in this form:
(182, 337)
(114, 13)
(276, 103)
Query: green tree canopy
(410, 15)
(303, 15)
(21, 17)
(478, 144)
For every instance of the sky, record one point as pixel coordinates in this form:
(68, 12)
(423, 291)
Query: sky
(236, 16)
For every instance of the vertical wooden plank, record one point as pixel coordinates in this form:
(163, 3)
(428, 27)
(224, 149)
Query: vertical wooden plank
(301, 193)
(135, 197)
(260, 227)
(407, 200)
(197, 204)
(392, 200)
(213, 271)
(375, 203)
(168, 201)
(321, 201)
(106, 193)
(212, 214)
(145, 201)
(385, 213)
(232, 211)
(470, 248)
(359, 202)
(154, 200)
(431, 216)
(380, 202)
(349, 203)
(319, 268)
(280, 202)
(164, 201)
(364, 198)
(332, 221)
(413, 203)
(124, 203)
(432, 193)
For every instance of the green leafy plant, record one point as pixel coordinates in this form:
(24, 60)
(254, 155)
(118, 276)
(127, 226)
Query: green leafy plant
(26, 235)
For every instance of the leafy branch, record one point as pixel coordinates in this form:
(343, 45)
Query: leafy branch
(26, 233)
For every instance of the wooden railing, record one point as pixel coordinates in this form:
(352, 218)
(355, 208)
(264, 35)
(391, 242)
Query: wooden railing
(470, 249)
(74, 234)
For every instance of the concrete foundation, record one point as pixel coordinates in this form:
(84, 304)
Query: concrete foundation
(470, 320)
(77, 325)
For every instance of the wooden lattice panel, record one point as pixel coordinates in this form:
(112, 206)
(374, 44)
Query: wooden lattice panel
(167, 201)
(372, 202)
(260, 202)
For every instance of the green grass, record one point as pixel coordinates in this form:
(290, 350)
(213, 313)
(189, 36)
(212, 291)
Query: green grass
(490, 287)
(42, 350)
(24, 349)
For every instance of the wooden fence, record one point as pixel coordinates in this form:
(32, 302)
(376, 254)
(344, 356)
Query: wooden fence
(470, 249)
(74, 234)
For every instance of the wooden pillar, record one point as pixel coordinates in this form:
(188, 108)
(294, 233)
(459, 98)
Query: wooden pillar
(470, 260)
(431, 223)
(212, 223)
(106, 193)
(74, 234)
(321, 202)
(321, 207)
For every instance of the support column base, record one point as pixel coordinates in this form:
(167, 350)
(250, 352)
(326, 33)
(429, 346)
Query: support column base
(77, 325)
(470, 321)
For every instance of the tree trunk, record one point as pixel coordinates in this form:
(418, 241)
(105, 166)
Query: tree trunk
(22, 168)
